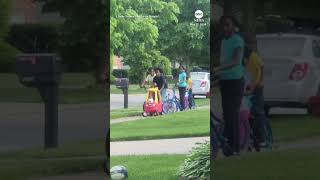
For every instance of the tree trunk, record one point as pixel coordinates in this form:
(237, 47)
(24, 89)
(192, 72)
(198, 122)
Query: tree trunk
(249, 22)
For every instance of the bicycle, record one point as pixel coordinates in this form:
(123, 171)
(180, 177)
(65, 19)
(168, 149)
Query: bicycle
(217, 124)
(169, 106)
(192, 105)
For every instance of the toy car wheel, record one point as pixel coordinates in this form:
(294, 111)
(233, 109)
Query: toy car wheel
(144, 114)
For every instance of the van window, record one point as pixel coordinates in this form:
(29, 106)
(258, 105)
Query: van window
(280, 46)
(316, 48)
(197, 76)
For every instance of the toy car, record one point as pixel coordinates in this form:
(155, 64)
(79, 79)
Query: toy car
(153, 104)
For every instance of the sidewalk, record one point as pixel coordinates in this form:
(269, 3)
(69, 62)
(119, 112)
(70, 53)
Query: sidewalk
(84, 176)
(153, 147)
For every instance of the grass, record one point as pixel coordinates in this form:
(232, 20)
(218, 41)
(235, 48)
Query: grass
(291, 165)
(79, 149)
(121, 113)
(68, 159)
(22, 169)
(155, 167)
(74, 88)
(294, 127)
(137, 111)
(133, 89)
(184, 124)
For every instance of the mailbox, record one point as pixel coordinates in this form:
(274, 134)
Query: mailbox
(43, 71)
(35, 70)
(122, 83)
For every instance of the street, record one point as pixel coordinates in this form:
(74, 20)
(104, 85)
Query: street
(22, 124)
(116, 100)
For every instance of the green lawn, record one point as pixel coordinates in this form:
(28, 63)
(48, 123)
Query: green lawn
(284, 165)
(182, 124)
(68, 159)
(133, 89)
(75, 88)
(295, 127)
(137, 111)
(156, 167)
(120, 113)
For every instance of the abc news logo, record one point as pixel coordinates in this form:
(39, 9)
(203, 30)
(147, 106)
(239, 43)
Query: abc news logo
(199, 15)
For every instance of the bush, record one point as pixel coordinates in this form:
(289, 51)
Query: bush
(175, 73)
(112, 79)
(197, 164)
(8, 56)
(134, 78)
(120, 73)
(39, 38)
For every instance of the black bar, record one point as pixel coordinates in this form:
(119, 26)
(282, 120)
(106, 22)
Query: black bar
(125, 95)
(51, 116)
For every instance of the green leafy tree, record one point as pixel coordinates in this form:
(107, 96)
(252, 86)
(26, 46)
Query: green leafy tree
(4, 18)
(84, 32)
(188, 42)
(135, 34)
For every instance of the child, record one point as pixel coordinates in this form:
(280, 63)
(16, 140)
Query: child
(190, 96)
(151, 98)
(244, 116)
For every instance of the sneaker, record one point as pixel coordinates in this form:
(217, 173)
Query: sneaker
(263, 144)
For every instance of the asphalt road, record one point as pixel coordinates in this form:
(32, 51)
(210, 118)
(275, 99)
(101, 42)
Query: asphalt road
(117, 100)
(22, 124)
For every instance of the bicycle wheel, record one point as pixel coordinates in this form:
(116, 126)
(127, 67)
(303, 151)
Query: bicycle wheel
(269, 135)
(177, 102)
(171, 107)
(244, 131)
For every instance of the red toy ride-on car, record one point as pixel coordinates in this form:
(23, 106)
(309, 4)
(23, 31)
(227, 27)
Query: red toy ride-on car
(153, 104)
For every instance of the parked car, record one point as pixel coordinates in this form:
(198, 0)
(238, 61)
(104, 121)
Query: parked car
(292, 69)
(201, 83)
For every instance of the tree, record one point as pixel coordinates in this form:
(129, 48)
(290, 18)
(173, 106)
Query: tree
(188, 42)
(83, 32)
(134, 33)
(4, 18)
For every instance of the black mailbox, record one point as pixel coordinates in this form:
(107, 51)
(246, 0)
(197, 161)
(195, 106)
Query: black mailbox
(122, 83)
(43, 71)
(36, 70)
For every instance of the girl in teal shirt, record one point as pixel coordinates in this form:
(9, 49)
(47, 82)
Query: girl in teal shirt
(231, 81)
(182, 84)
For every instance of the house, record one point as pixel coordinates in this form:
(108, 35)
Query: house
(30, 12)
(118, 63)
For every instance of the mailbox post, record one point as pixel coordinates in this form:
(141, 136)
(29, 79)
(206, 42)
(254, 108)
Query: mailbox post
(43, 71)
(123, 83)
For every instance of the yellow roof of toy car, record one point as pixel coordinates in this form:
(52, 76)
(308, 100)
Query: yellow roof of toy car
(153, 89)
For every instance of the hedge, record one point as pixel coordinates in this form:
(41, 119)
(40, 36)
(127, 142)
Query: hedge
(34, 38)
(8, 56)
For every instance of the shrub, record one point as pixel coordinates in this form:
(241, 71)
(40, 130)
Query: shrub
(175, 73)
(8, 56)
(31, 38)
(197, 164)
(120, 73)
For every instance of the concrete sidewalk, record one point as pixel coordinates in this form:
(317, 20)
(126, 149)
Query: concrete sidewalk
(153, 147)
(84, 176)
